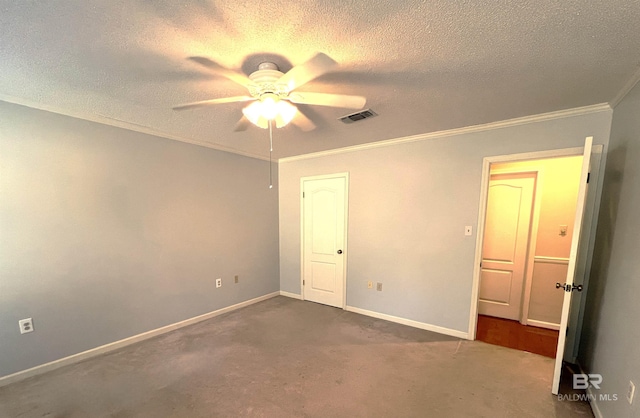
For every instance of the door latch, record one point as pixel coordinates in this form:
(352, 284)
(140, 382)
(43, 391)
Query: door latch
(569, 288)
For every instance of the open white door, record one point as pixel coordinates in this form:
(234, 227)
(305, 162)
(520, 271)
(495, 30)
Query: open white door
(567, 287)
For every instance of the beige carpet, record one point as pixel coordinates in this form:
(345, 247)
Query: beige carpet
(287, 358)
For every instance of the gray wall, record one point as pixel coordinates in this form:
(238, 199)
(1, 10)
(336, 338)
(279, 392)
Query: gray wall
(106, 233)
(408, 205)
(610, 342)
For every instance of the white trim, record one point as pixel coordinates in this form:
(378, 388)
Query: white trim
(550, 260)
(301, 237)
(629, 85)
(593, 397)
(409, 322)
(76, 358)
(290, 295)
(106, 120)
(573, 257)
(578, 111)
(543, 324)
(345, 253)
(532, 243)
(484, 189)
(538, 155)
(482, 210)
(586, 252)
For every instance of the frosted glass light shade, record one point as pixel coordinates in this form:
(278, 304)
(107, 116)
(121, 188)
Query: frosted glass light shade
(270, 107)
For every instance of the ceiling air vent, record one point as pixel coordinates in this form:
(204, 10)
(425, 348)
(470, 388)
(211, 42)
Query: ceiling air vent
(354, 117)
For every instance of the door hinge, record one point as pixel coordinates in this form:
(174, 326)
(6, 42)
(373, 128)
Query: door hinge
(588, 177)
(303, 193)
(303, 282)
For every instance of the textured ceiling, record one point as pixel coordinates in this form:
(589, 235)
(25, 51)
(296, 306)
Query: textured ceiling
(424, 66)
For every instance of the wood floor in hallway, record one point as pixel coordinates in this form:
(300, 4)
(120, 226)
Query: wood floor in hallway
(512, 334)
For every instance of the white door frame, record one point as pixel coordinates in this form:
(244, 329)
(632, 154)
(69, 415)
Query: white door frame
(484, 193)
(345, 252)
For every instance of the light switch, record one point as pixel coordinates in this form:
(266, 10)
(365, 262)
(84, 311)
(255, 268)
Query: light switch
(468, 230)
(563, 230)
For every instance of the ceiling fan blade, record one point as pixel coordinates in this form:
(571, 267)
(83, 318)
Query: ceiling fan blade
(239, 78)
(325, 99)
(243, 124)
(303, 122)
(210, 102)
(303, 73)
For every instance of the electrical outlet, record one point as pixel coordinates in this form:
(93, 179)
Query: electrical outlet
(379, 287)
(369, 284)
(235, 279)
(218, 283)
(26, 325)
(631, 392)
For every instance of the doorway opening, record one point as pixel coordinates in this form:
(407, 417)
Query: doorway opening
(582, 244)
(530, 214)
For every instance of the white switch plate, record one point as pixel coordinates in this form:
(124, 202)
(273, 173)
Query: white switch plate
(218, 283)
(369, 284)
(468, 230)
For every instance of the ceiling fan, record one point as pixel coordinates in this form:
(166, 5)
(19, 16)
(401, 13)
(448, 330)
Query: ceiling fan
(274, 94)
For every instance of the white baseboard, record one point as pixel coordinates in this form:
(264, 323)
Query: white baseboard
(410, 322)
(290, 295)
(75, 358)
(543, 324)
(593, 403)
(592, 397)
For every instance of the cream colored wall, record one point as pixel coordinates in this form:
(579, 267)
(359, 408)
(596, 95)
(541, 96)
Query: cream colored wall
(557, 192)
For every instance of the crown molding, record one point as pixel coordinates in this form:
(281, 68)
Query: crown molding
(105, 120)
(633, 80)
(578, 111)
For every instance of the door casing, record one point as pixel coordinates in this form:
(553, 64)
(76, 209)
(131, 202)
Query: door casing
(588, 236)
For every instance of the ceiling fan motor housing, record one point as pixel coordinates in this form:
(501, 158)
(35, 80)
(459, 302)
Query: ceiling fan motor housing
(265, 81)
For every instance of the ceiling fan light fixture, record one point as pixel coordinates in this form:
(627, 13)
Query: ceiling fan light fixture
(270, 107)
(286, 113)
(253, 112)
(274, 94)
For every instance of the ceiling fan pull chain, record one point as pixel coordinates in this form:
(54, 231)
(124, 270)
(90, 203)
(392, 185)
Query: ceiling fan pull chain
(270, 151)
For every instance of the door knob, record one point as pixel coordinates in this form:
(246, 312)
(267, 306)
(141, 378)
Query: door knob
(568, 288)
(339, 251)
